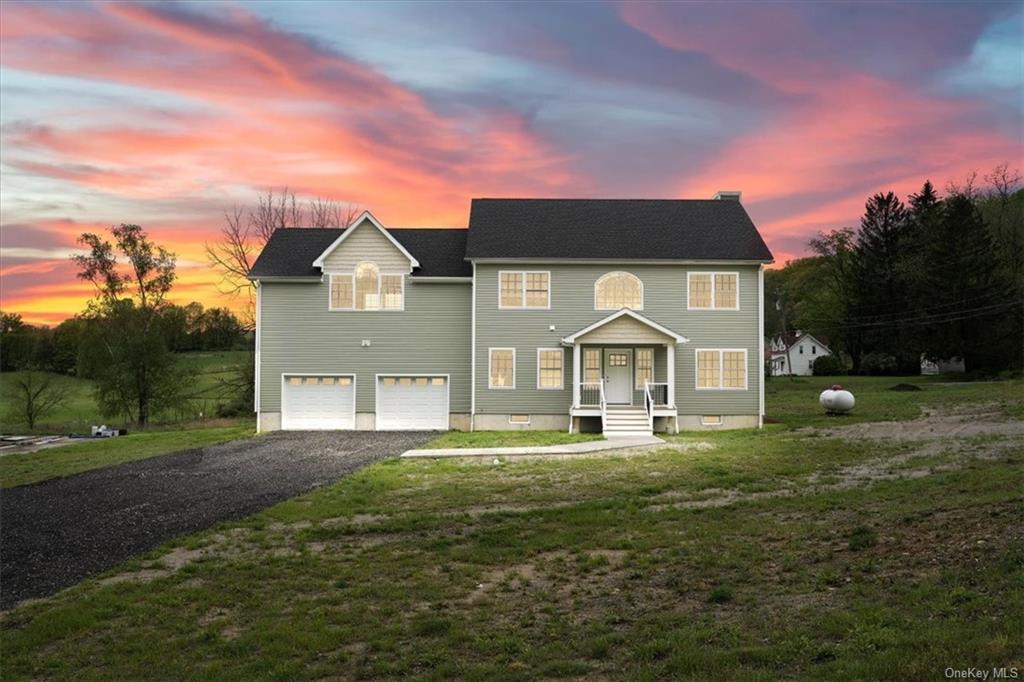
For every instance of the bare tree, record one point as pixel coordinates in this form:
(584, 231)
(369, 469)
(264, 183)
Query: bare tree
(36, 396)
(246, 230)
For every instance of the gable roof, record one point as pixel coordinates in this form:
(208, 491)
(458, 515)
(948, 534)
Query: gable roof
(291, 252)
(790, 339)
(364, 217)
(678, 338)
(613, 229)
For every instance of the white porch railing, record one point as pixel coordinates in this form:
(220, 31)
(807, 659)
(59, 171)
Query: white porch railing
(590, 393)
(649, 405)
(659, 393)
(604, 409)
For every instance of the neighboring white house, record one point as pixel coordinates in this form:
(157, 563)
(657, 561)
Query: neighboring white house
(954, 365)
(803, 349)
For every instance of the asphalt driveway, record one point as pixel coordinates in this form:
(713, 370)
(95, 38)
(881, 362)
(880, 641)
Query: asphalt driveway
(55, 533)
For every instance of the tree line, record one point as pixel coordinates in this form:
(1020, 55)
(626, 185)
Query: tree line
(938, 276)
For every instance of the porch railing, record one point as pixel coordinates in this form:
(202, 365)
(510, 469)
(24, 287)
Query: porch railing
(659, 393)
(590, 393)
(649, 405)
(604, 409)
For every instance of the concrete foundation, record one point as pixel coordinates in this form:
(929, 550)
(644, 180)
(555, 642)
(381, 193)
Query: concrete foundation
(538, 422)
(691, 422)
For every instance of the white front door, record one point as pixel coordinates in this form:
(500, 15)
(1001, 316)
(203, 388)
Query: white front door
(618, 375)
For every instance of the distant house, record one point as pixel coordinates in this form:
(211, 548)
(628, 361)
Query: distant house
(952, 365)
(803, 350)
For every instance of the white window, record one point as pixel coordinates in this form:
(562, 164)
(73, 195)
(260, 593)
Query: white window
(524, 289)
(341, 292)
(616, 290)
(814, 350)
(367, 289)
(801, 349)
(591, 365)
(644, 367)
(712, 291)
(502, 368)
(721, 368)
(549, 369)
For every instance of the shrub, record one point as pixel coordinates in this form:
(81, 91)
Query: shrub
(862, 537)
(828, 365)
(878, 364)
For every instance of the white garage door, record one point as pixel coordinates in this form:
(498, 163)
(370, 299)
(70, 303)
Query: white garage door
(414, 403)
(310, 402)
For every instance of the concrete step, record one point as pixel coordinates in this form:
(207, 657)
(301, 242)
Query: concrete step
(627, 434)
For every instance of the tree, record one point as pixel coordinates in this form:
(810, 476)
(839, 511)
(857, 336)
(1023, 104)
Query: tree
(246, 230)
(125, 346)
(36, 396)
(16, 342)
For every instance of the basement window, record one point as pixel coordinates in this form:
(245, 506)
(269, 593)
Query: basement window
(519, 419)
(711, 420)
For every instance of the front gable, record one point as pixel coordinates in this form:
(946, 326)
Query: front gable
(366, 240)
(625, 326)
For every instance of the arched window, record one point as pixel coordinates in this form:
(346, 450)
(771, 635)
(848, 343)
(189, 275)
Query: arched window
(618, 290)
(367, 286)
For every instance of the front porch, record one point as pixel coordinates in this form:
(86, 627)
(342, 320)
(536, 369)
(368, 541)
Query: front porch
(623, 373)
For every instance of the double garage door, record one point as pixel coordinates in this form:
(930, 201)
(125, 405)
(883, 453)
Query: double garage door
(328, 402)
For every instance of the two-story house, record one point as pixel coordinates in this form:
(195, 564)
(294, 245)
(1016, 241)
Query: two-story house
(794, 354)
(619, 315)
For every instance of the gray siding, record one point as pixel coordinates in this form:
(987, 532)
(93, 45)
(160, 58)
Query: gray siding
(299, 334)
(572, 308)
(366, 243)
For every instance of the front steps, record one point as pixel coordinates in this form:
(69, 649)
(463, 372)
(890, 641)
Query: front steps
(626, 421)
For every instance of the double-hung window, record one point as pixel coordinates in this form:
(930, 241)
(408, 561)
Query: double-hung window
(721, 369)
(549, 369)
(712, 291)
(501, 368)
(524, 289)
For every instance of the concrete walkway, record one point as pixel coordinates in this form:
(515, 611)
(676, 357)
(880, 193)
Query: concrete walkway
(565, 449)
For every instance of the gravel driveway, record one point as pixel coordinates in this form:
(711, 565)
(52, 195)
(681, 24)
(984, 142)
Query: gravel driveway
(57, 532)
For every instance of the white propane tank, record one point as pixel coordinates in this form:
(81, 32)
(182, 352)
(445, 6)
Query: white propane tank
(835, 400)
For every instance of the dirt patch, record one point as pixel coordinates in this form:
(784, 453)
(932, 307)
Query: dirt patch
(977, 420)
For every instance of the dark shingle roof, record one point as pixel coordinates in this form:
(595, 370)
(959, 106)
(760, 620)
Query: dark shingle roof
(680, 229)
(291, 252)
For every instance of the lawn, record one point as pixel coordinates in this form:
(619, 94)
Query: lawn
(79, 412)
(754, 554)
(65, 460)
(506, 439)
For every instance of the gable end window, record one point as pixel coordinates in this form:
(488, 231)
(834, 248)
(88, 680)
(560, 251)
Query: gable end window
(524, 289)
(367, 289)
(712, 291)
(616, 290)
(721, 369)
(501, 368)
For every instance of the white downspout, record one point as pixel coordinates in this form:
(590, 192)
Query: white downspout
(472, 358)
(257, 368)
(760, 344)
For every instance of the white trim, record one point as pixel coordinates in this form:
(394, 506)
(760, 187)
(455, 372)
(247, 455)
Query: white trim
(561, 382)
(355, 394)
(489, 374)
(522, 293)
(330, 292)
(632, 261)
(712, 273)
(721, 369)
(571, 339)
(577, 359)
(760, 346)
(670, 374)
(636, 365)
(420, 279)
(356, 224)
(424, 375)
(256, 369)
(616, 272)
(472, 357)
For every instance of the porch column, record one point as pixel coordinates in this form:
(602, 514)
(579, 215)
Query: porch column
(576, 375)
(670, 367)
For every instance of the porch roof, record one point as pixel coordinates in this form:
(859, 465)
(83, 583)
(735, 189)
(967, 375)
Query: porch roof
(624, 312)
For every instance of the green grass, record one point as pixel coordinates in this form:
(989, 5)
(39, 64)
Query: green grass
(505, 439)
(79, 412)
(794, 400)
(765, 554)
(65, 460)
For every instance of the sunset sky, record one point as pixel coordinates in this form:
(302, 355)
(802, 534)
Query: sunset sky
(167, 114)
